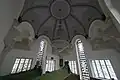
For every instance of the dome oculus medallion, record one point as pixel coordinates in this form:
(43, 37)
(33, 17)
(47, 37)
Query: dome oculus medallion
(60, 9)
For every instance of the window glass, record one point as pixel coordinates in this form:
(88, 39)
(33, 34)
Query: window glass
(29, 64)
(110, 69)
(73, 67)
(80, 47)
(41, 50)
(25, 65)
(103, 69)
(42, 46)
(50, 65)
(95, 69)
(15, 65)
(82, 61)
(21, 64)
(100, 73)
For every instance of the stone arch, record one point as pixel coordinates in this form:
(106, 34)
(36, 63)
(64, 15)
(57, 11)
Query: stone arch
(111, 8)
(27, 30)
(95, 28)
(35, 45)
(77, 37)
(76, 40)
(84, 41)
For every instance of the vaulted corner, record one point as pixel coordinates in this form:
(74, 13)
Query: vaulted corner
(20, 36)
(104, 36)
(61, 19)
(61, 40)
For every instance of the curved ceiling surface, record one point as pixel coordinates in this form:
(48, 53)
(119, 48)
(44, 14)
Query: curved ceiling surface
(61, 19)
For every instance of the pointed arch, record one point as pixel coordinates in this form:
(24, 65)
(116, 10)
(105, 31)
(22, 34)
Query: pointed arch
(81, 57)
(40, 47)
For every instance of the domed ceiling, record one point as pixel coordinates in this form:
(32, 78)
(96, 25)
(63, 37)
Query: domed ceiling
(61, 19)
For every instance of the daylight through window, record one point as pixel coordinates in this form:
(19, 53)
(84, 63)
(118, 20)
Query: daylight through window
(50, 65)
(21, 64)
(82, 61)
(103, 69)
(73, 66)
(41, 50)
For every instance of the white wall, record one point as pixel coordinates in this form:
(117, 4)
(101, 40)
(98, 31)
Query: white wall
(10, 58)
(111, 8)
(49, 55)
(9, 10)
(110, 54)
(104, 54)
(70, 57)
(12, 55)
(116, 4)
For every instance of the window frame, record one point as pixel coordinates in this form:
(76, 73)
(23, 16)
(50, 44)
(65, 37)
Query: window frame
(40, 54)
(49, 65)
(105, 64)
(83, 71)
(73, 66)
(16, 71)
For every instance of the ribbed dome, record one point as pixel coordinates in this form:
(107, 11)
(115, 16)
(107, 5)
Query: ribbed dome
(61, 19)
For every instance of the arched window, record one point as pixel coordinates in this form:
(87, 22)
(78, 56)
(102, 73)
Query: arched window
(82, 61)
(49, 64)
(41, 51)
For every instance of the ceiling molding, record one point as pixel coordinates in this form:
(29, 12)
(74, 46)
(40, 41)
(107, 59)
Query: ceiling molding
(87, 5)
(61, 10)
(43, 23)
(81, 24)
(55, 25)
(34, 7)
(67, 29)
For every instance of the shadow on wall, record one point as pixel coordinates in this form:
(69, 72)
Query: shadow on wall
(113, 6)
(112, 10)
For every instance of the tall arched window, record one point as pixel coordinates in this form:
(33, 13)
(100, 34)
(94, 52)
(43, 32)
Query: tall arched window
(82, 61)
(41, 51)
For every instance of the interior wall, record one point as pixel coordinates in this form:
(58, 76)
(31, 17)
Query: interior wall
(49, 55)
(9, 10)
(110, 54)
(111, 9)
(13, 54)
(70, 57)
(48, 51)
(116, 4)
(10, 59)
